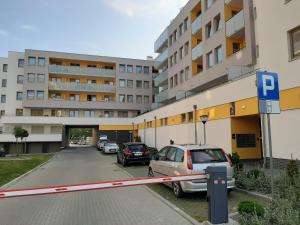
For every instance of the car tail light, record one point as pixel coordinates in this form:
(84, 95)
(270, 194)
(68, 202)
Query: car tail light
(128, 153)
(189, 160)
(228, 159)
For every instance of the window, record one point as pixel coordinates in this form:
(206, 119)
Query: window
(91, 98)
(123, 114)
(210, 59)
(5, 66)
(246, 140)
(4, 82)
(20, 79)
(19, 96)
(139, 99)
(31, 60)
(19, 112)
(175, 57)
(146, 84)
(21, 63)
(37, 129)
(92, 66)
(186, 73)
(3, 98)
(41, 78)
(236, 47)
(171, 154)
(139, 84)
(186, 48)
(30, 94)
(122, 68)
(77, 81)
(108, 98)
(130, 98)
(74, 97)
(209, 3)
(171, 61)
(122, 83)
(219, 54)
(31, 78)
(2, 112)
(181, 76)
(146, 99)
(129, 68)
(55, 79)
(175, 35)
(170, 40)
(179, 155)
(55, 96)
(183, 118)
(40, 95)
(130, 83)
(108, 114)
(295, 42)
(191, 117)
(139, 69)
(171, 82)
(75, 64)
(89, 113)
(185, 24)
(146, 70)
(122, 98)
(175, 80)
(41, 61)
(181, 53)
(208, 30)
(217, 23)
(91, 82)
(74, 113)
(180, 29)
(199, 68)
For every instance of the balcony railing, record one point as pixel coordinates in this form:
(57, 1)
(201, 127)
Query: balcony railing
(161, 41)
(161, 59)
(82, 71)
(68, 86)
(197, 52)
(235, 24)
(197, 24)
(162, 77)
(162, 96)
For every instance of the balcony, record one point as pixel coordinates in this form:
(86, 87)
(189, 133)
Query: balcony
(68, 86)
(234, 3)
(162, 96)
(235, 25)
(161, 78)
(82, 71)
(197, 52)
(197, 25)
(161, 42)
(161, 59)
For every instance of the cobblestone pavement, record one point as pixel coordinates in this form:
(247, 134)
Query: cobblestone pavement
(122, 206)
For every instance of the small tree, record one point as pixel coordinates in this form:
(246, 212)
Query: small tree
(25, 135)
(20, 133)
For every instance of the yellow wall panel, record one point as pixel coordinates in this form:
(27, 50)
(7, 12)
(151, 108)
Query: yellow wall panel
(115, 127)
(290, 99)
(246, 107)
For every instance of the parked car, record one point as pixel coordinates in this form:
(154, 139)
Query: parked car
(101, 143)
(133, 153)
(189, 159)
(110, 147)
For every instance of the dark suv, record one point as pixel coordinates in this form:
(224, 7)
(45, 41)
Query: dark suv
(133, 152)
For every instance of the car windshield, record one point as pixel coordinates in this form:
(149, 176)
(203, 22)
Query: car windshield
(110, 144)
(208, 156)
(136, 148)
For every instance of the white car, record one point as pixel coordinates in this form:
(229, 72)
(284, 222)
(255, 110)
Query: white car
(110, 147)
(188, 159)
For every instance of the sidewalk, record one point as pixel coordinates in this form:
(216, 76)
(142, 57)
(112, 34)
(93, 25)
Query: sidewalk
(122, 206)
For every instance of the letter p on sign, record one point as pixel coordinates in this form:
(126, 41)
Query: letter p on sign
(267, 86)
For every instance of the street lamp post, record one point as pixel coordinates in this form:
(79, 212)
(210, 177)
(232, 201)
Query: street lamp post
(155, 131)
(204, 119)
(195, 122)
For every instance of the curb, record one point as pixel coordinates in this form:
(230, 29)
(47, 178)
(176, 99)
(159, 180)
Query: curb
(167, 202)
(256, 194)
(25, 174)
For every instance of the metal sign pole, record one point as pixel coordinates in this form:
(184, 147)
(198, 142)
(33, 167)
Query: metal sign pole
(271, 154)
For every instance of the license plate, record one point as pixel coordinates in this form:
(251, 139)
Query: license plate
(112, 150)
(138, 154)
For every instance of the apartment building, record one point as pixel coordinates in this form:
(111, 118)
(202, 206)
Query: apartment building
(205, 45)
(229, 40)
(38, 86)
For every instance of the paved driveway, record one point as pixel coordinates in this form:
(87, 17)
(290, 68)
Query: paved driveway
(124, 206)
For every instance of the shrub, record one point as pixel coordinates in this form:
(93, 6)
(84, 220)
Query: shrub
(235, 158)
(292, 171)
(255, 173)
(251, 208)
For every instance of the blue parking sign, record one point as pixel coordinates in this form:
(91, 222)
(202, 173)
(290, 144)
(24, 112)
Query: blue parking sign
(267, 86)
(268, 92)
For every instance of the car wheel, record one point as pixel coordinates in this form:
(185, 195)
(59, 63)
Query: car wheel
(150, 172)
(118, 160)
(124, 163)
(177, 190)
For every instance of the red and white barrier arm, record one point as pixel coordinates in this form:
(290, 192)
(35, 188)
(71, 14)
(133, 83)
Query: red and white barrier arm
(97, 186)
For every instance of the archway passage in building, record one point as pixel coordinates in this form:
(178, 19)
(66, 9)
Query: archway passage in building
(80, 136)
(246, 136)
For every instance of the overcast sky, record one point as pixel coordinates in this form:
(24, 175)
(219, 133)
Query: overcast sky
(124, 28)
